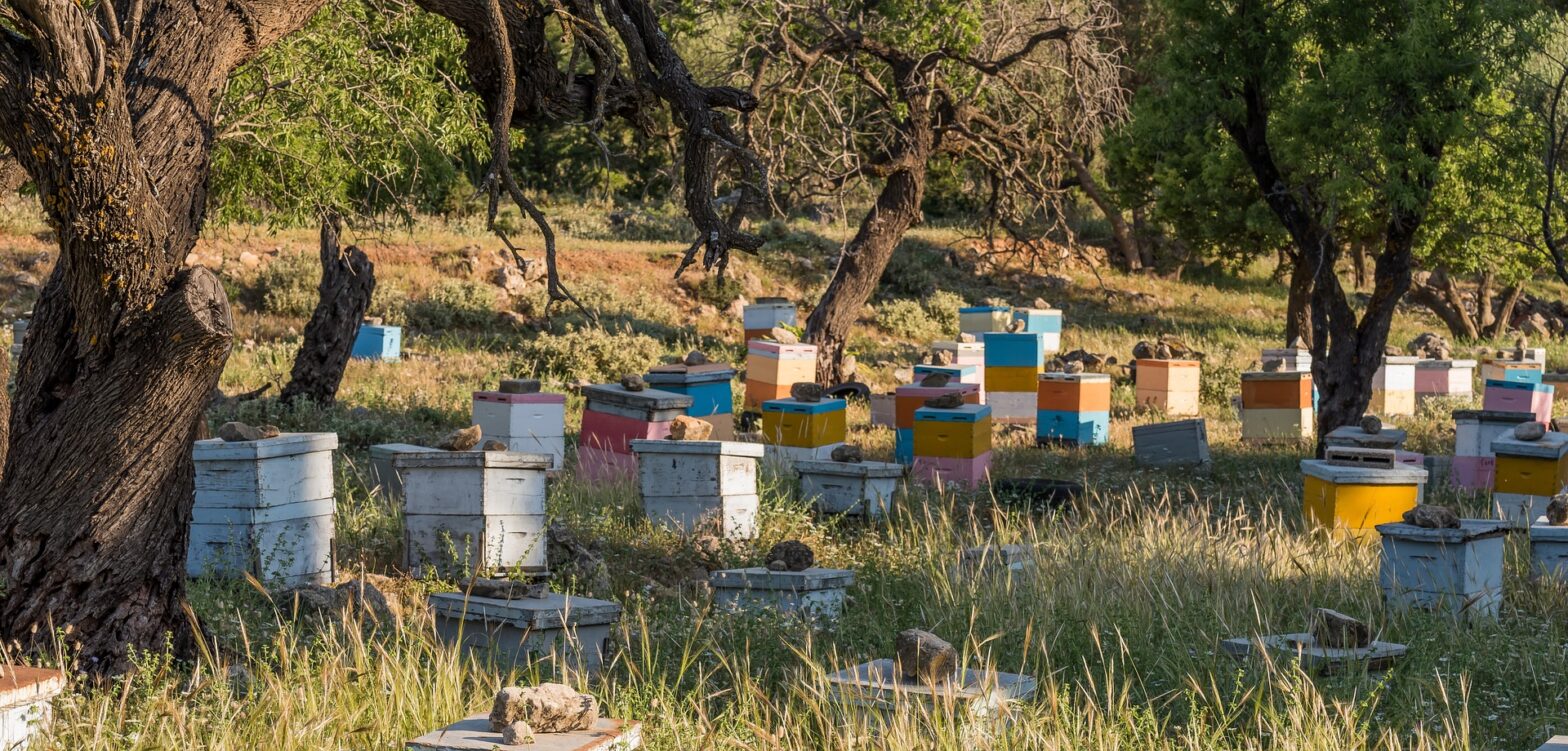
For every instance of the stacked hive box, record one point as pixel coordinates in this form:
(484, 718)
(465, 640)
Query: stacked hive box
(526, 423)
(1013, 363)
(759, 319)
(1073, 408)
(1290, 359)
(1519, 396)
(965, 353)
(1394, 387)
(1276, 407)
(955, 373)
(1474, 431)
(377, 342)
(771, 368)
(907, 399)
(1454, 571)
(797, 430)
(953, 445)
(614, 417)
(984, 319)
(1444, 378)
(1168, 386)
(385, 479)
(1527, 475)
(690, 486)
(264, 508)
(854, 488)
(1351, 491)
(1509, 370)
(1183, 443)
(1046, 323)
(708, 385)
(473, 511)
(1352, 436)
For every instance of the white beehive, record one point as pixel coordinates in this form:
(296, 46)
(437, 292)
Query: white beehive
(1454, 571)
(570, 631)
(474, 511)
(689, 485)
(816, 593)
(384, 477)
(854, 488)
(25, 696)
(264, 508)
(1548, 551)
(526, 423)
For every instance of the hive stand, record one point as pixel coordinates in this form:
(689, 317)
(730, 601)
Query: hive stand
(1351, 491)
(571, 632)
(25, 696)
(1318, 660)
(474, 734)
(1474, 431)
(853, 488)
(614, 417)
(1526, 476)
(473, 511)
(1184, 443)
(526, 423)
(816, 593)
(264, 508)
(1444, 378)
(1453, 571)
(690, 486)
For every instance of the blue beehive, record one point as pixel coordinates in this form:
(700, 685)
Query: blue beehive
(375, 342)
(709, 386)
(904, 445)
(1024, 349)
(1038, 321)
(1082, 428)
(958, 373)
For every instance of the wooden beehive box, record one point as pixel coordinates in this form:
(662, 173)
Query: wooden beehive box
(907, 399)
(772, 368)
(691, 486)
(1548, 551)
(816, 593)
(854, 488)
(25, 709)
(953, 445)
(385, 480)
(1290, 359)
(1526, 475)
(374, 342)
(474, 511)
(1394, 386)
(1183, 443)
(1444, 378)
(1073, 408)
(789, 422)
(1047, 323)
(1276, 407)
(572, 632)
(264, 508)
(1169, 387)
(759, 319)
(1454, 571)
(709, 386)
(526, 423)
(1474, 430)
(1516, 396)
(1351, 491)
(981, 319)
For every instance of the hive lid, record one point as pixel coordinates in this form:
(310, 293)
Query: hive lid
(768, 348)
(1543, 532)
(474, 734)
(1445, 364)
(1283, 375)
(800, 407)
(1493, 383)
(554, 610)
(1400, 359)
(437, 459)
(1469, 531)
(758, 577)
(1550, 446)
(1038, 311)
(683, 374)
(287, 444)
(1152, 362)
(959, 346)
(389, 450)
(614, 393)
(1493, 416)
(1076, 377)
(881, 470)
(1286, 352)
(21, 685)
(1399, 474)
(502, 397)
(983, 309)
(708, 448)
(948, 369)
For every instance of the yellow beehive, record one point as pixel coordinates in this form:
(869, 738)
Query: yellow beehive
(786, 422)
(961, 433)
(1353, 490)
(1013, 378)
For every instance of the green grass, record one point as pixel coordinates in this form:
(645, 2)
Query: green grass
(1135, 587)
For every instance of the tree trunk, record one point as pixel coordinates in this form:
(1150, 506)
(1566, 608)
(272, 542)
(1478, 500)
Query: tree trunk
(1126, 243)
(1358, 261)
(348, 279)
(1436, 291)
(1298, 304)
(1483, 301)
(1505, 312)
(1145, 243)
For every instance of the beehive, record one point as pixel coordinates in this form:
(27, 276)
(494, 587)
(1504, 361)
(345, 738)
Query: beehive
(528, 632)
(1184, 443)
(473, 511)
(692, 486)
(971, 374)
(1520, 396)
(264, 508)
(526, 423)
(1394, 386)
(1453, 571)
(384, 477)
(1526, 476)
(877, 692)
(474, 734)
(1290, 359)
(375, 342)
(1073, 408)
(772, 368)
(709, 386)
(907, 399)
(760, 318)
(1474, 430)
(1169, 387)
(953, 445)
(614, 417)
(816, 593)
(1548, 551)
(1444, 378)
(1351, 491)
(966, 353)
(797, 430)
(1046, 323)
(884, 411)
(1509, 370)
(1013, 363)
(853, 488)
(26, 694)
(981, 319)
(1276, 407)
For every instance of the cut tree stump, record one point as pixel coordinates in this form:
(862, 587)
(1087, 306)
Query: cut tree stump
(348, 280)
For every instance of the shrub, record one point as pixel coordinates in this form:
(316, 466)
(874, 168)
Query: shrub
(942, 306)
(908, 320)
(287, 286)
(592, 354)
(453, 303)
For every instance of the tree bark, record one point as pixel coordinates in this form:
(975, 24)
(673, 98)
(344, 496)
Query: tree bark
(1483, 301)
(1436, 291)
(1298, 304)
(1126, 242)
(1505, 312)
(348, 279)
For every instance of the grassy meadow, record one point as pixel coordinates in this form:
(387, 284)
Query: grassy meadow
(1121, 622)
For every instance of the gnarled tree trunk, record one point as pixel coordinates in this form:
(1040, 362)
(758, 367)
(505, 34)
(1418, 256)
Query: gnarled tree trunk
(348, 279)
(1437, 293)
(1298, 302)
(1126, 241)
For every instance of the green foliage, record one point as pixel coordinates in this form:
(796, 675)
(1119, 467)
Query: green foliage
(907, 319)
(288, 285)
(596, 355)
(453, 303)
